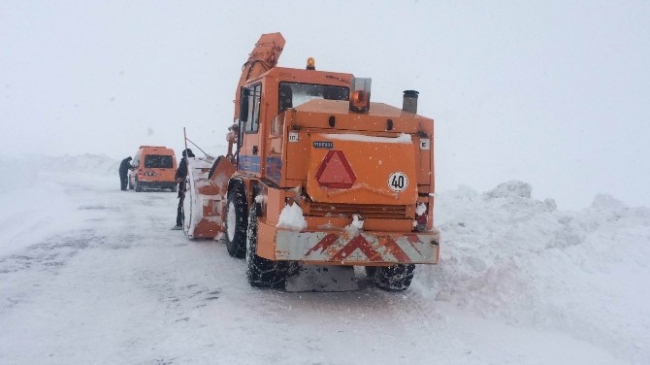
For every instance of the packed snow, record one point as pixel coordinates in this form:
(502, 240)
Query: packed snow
(401, 138)
(355, 226)
(291, 217)
(92, 274)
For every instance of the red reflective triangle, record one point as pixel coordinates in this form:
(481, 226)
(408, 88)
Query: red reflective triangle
(335, 171)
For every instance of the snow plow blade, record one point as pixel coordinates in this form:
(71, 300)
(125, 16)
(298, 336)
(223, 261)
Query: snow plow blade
(206, 187)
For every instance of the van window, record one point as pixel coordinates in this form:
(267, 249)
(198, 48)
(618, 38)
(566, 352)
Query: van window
(158, 162)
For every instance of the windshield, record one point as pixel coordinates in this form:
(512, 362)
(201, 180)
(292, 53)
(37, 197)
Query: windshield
(293, 94)
(158, 162)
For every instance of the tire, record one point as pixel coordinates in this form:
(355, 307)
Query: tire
(138, 187)
(261, 272)
(173, 189)
(393, 278)
(236, 221)
(130, 184)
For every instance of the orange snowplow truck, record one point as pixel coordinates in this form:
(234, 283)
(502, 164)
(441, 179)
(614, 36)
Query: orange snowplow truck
(317, 174)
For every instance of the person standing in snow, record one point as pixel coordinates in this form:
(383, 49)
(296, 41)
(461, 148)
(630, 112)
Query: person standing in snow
(181, 173)
(125, 166)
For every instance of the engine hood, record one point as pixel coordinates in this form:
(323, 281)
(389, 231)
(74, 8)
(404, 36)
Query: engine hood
(361, 169)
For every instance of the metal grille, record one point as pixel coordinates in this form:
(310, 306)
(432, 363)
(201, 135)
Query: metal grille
(365, 210)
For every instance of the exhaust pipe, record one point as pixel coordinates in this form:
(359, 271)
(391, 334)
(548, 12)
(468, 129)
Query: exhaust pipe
(410, 101)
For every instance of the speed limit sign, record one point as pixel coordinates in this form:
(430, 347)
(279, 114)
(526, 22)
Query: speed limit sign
(398, 181)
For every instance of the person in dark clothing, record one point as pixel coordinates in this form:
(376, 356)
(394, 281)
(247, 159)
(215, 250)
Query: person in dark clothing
(181, 173)
(125, 166)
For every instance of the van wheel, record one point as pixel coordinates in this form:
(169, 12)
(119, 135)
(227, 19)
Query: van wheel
(138, 188)
(236, 221)
(261, 272)
(393, 278)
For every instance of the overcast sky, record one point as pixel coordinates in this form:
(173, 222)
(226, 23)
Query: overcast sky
(553, 93)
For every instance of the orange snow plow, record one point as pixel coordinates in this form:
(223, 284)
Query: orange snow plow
(317, 174)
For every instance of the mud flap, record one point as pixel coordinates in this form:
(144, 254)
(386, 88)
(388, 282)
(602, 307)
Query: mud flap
(322, 279)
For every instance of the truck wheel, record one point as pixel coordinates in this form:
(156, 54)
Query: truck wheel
(393, 278)
(236, 221)
(138, 187)
(261, 272)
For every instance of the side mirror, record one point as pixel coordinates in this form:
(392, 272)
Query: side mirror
(243, 105)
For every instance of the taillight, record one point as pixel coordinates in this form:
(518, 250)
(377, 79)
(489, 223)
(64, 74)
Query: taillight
(421, 216)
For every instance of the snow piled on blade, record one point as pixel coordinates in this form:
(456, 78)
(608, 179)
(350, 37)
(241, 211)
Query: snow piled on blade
(505, 255)
(194, 202)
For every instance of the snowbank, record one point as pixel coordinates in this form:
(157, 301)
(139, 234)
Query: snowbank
(24, 171)
(34, 203)
(505, 255)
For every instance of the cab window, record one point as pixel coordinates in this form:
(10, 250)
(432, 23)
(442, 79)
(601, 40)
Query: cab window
(293, 94)
(254, 104)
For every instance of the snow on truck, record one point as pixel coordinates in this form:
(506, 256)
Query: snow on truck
(316, 175)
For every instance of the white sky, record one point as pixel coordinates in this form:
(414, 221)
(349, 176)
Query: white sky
(548, 92)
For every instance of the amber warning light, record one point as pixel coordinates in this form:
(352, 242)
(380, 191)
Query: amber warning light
(360, 95)
(311, 64)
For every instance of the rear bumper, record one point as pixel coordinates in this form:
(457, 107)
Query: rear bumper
(349, 248)
(157, 184)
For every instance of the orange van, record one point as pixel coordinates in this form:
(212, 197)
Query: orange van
(155, 168)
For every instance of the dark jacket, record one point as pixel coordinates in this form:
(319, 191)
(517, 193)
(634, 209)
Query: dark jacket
(181, 172)
(125, 166)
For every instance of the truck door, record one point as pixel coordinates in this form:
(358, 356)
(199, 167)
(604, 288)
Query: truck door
(249, 153)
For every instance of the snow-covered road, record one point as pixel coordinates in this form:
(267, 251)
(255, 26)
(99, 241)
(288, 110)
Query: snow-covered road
(93, 275)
